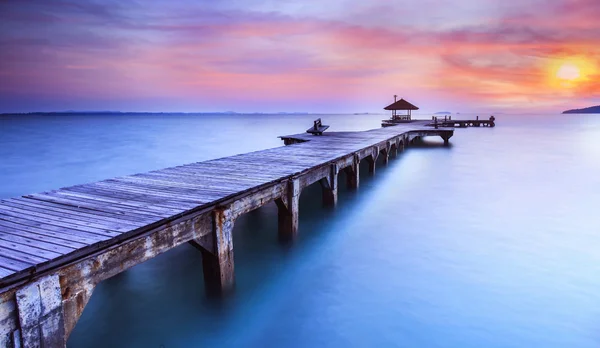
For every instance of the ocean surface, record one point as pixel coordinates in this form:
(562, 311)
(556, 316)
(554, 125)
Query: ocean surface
(491, 242)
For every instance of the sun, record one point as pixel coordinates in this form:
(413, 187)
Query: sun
(568, 71)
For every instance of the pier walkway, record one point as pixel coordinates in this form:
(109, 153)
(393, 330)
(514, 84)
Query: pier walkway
(56, 246)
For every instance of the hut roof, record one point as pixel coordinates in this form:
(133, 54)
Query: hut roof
(401, 105)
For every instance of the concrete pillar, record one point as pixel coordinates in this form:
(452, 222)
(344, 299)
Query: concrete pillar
(288, 207)
(329, 186)
(353, 173)
(40, 311)
(218, 266)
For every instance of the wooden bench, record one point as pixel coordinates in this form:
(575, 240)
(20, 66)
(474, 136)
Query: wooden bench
(318, 128)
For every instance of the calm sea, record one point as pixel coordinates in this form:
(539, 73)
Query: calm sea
(492, 242)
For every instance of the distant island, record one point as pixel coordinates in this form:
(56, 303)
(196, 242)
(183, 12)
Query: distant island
(590, 110)
(443, 113)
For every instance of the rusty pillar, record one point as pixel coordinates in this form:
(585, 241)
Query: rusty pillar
(329, 186)
(371, 164)
(353, 173)
(386, 153)
(218, 267)
(288, 206)
(40, 312)
(75, 297)
(372, 159)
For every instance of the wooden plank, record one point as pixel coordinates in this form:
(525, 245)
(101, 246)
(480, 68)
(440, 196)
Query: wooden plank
(99, 201)
(40, 235)
(70, 219)
(193, 178)
(164, 183)
(4, 272)
(77, 212)
(21, 238)
(53, 231)
(75, 218)
(145, 201)
(22, 257)
(196, 196)
(29, 249)
(12, 264)
(230, 167)
(86, 203)
(4, 214)
(202, 195)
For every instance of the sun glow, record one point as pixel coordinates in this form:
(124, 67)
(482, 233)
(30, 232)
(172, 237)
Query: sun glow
(568, 71)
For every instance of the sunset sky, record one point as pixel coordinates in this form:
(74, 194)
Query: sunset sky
(299, 55)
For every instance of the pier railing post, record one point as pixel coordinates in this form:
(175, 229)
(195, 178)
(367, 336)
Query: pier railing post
(353, 173)
(41, 317)
(218, 267)
(288, 210)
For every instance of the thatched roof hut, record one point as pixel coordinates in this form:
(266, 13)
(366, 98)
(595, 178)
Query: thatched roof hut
(401, 105)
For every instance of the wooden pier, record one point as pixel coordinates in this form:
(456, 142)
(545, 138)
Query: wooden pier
(56, 246)
(449, 122)
(446, 122)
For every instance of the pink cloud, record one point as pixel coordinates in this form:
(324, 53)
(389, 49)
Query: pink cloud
(209, 57)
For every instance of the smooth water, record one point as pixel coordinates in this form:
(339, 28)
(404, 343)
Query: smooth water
(492, 242)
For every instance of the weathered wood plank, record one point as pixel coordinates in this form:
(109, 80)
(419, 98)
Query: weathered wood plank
(65, 234)
(6, 214)
(29, 249)
(143, 200)
(89, 204)
(12, 264)
(84, 214)
(65, 218)
(4, 272)
(20, 256)
(102, 200)
(25, 238)
(196, 196)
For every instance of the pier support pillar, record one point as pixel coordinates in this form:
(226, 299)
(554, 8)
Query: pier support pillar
(372, 163)
(218, 266)
(399, 145)
(40, 310)
(386, 153)
(446, 139)
(353, 174)
(372, 159)
(329, 186)
(288, 206)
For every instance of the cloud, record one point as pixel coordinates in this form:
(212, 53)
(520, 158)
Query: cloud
(201, 53)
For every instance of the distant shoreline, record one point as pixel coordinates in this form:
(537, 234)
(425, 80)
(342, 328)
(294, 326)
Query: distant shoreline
(590, 110)
(93, 113)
